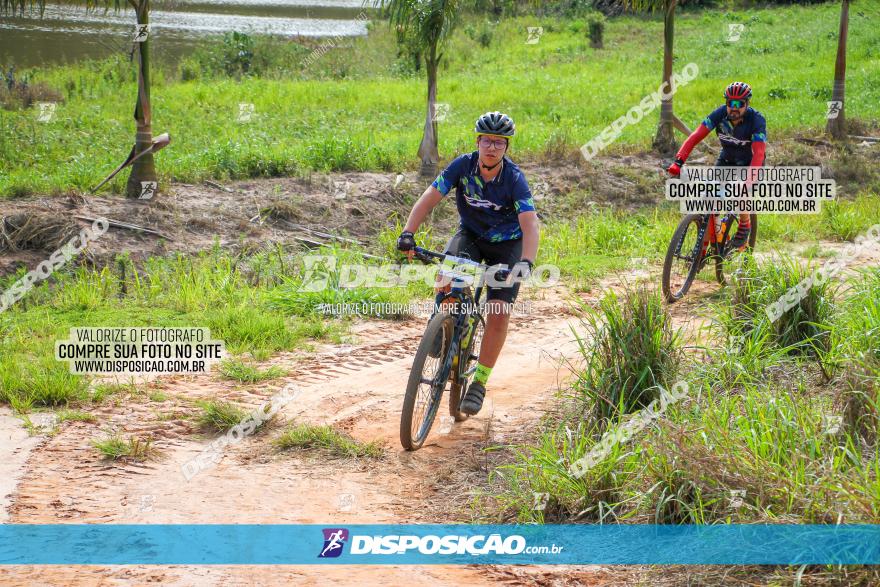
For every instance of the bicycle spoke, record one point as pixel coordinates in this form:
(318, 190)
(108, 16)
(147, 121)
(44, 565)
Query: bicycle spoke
(687, 251)
(429, 392)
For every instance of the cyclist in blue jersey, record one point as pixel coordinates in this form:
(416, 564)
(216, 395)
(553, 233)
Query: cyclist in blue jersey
(498, 225)
(742, 131)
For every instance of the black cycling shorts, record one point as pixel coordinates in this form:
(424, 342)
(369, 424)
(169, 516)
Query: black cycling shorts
(465, 244)
(722, 162)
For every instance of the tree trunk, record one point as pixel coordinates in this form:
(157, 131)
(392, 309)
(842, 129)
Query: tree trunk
(836, 127)
(428, 152)
(664, 141)
(144, 169)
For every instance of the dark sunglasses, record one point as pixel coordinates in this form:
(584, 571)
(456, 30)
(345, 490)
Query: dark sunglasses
(736, 103)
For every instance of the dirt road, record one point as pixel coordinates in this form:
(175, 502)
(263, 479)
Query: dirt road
(356, 387)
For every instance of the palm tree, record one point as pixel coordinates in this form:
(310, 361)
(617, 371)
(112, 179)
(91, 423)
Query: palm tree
(427, 23)
(664, 140)
(143, 168)
(836, 127)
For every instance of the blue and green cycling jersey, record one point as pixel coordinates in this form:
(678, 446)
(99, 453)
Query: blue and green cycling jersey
(736, 141)
(488, 209)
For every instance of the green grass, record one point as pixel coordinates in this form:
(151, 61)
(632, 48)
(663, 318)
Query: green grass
(245, 373)
(102, 391)
(209, 290)
(115, 447)
(332, 281)
(855, 327)
(158, 396)
(541, 85)
(25, 384)
(762, 436)
(328, 440)
(75, 416)
(219, 416)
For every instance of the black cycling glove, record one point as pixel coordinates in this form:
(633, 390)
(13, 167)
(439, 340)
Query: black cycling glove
(522, 270)
(406, 241)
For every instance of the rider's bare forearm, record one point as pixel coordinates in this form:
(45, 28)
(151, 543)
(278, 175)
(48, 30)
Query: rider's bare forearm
(528, 222)
(422, 207)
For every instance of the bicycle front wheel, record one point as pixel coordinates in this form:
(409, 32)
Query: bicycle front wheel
(427, 380)
(683, 258)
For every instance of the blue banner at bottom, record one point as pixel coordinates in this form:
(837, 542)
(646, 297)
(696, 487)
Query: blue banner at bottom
(575, 544)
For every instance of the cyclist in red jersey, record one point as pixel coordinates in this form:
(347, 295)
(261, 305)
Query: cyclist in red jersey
(742, 131)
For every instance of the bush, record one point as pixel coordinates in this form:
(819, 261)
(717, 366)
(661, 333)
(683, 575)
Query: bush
(482, 34)
(21, 93)
(633, 350)
(240, 55)
(596, 31)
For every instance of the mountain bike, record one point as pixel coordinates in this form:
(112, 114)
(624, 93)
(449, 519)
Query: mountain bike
(698, 239)
(449, 350)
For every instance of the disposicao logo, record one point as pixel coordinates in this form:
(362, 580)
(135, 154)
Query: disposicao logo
(334, 540)
(473, 545)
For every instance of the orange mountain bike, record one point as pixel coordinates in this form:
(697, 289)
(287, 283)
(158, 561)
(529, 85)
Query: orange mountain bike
(698, 239)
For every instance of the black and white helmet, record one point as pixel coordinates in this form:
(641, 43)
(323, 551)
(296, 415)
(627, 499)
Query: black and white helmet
(495, 123)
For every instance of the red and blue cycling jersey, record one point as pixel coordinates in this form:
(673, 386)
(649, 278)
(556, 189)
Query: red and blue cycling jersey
(488, 209)
(736, 141)
(741, 144)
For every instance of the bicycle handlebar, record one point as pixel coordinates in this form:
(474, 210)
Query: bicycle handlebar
(427, 256)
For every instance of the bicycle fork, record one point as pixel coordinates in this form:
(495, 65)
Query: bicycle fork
(699, 248)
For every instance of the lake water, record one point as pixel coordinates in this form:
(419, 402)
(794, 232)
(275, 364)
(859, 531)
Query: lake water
(69, 33)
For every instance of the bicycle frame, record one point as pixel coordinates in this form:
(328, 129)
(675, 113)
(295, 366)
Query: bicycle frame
(459, 293)
(707, 236)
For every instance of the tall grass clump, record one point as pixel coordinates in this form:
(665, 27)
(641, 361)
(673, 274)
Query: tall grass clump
(630, 349)
(759, 292)
(855, 335)
(219, 416)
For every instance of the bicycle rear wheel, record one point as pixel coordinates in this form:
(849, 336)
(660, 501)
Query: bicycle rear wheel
(427, 380)
(682, 258)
